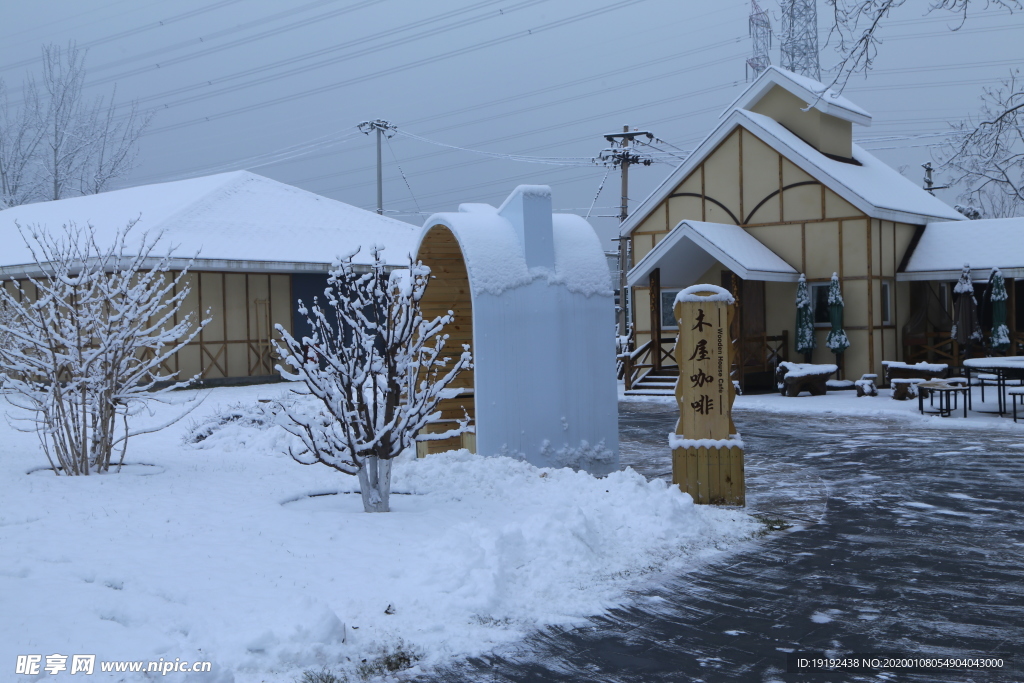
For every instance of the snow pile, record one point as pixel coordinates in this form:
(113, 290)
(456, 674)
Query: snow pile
(228, 551)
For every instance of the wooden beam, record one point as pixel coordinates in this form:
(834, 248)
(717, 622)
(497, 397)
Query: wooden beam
(655, 284)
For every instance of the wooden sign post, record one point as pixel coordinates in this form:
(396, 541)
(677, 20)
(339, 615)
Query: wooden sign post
(707, 452)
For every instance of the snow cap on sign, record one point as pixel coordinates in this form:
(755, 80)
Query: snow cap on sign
(701, 293)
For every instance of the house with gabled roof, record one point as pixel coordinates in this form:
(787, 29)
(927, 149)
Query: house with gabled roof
(777, 189)
(259, 247)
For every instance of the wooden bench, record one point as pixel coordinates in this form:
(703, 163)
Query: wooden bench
(793, 378)
(1015, 393)
(925, 371)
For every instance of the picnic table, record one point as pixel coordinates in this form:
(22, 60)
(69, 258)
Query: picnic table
(793, 378)
(1005, 368)
(947, 392)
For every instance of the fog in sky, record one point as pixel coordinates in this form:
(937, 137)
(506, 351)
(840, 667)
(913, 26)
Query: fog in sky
(277, 87)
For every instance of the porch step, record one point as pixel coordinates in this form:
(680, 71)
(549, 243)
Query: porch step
(662, 383)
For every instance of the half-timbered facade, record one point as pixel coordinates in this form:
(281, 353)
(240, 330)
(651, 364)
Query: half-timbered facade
(778, 189)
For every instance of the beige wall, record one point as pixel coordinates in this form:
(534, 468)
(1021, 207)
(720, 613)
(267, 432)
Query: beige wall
(243, 309)
(807, 225)
(825, 133)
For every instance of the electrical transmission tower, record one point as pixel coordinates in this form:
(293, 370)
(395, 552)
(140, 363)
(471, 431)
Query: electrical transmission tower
(800, 38)
(761, 32)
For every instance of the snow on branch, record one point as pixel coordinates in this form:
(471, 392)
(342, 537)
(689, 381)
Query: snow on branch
(86, 344)
(378, 368)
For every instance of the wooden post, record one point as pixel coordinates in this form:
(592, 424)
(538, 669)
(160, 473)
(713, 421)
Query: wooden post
(655, 283)
(707, 453)
(1011, 288)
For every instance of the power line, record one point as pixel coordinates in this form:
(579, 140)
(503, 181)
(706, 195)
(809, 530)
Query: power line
(404, 67)
(135, 31)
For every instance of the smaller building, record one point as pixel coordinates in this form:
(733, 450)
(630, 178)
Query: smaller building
(260, 246)
(939, 253)
(531, 296)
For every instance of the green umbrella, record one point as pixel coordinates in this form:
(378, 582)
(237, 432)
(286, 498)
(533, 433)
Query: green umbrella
(837, 340)
(999, 339)
(805, 341)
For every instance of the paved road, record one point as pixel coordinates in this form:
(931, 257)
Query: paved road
(904, 540)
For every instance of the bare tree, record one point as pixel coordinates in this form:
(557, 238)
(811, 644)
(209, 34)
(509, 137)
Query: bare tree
(88, 342)
(84, 146)
(986, 154)
(856, 23)
(19, 140)
(377, 369)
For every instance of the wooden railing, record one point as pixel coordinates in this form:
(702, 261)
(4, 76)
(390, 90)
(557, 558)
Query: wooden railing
(770, 351)
(638, 362)
(931, 347)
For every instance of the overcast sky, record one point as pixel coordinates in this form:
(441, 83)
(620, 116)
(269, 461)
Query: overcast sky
(278, 87)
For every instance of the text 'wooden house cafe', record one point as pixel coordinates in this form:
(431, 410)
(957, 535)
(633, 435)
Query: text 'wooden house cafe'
(779, 189)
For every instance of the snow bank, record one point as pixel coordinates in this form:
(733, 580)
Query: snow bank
(224, 549)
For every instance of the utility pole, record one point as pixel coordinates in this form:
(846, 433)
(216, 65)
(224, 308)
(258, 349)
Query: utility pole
(622, 154)
(929, 184)
(381, 127)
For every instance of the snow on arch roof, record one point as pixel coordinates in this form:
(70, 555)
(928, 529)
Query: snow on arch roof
(496, 259)
(873, 187)
(812, 92)
(236, 220)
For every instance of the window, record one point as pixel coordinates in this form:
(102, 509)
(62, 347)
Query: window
(819, 302)
(886, 302)
(668, 302)
(944, 290)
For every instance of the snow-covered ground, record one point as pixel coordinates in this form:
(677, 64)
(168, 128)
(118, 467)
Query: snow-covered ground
(981, 416)
(221, 551)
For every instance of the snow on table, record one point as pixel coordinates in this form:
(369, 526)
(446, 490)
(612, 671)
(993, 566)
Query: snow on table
(225, 551)
(795, 370)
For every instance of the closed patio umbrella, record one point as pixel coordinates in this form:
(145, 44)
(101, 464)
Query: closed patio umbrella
(805, 341)
(966, 330)
(999, 338)
(837, 340)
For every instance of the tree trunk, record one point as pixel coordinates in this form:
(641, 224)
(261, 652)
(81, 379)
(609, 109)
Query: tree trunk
(375, 484)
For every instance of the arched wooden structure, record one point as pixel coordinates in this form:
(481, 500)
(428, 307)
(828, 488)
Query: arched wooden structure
(531, 294)
(449, 291)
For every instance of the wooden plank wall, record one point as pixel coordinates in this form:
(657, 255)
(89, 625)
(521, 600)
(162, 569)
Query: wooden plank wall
(449, 291)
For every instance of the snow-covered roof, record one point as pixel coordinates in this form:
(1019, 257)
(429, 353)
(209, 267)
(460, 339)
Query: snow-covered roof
(812, 92)
(944, 248)
(686, 253)
(496, 260)
(873, 187)
(236, 220)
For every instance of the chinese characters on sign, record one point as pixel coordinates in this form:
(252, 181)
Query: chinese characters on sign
(703, 388)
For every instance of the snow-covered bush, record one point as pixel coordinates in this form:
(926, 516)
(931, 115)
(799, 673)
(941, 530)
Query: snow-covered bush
(87, 342)
(378, 369)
